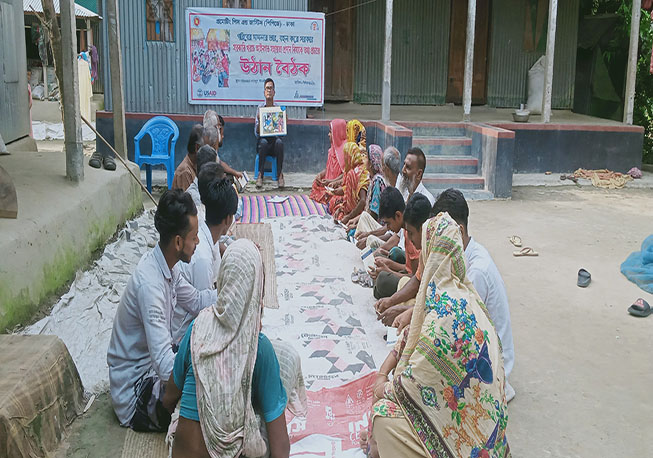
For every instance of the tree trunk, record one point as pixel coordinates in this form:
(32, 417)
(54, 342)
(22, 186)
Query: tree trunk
(51, 24)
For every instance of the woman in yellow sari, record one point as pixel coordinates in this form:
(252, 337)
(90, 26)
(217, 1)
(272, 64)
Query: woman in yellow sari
(447, 395)
(356, 133)
(349, 200)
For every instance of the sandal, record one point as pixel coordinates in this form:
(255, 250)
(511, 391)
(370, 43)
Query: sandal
(109, 163)
(96, 160)
(515, 240)
(259, 182)
(584, 278)
(527, 251)
(640, 308)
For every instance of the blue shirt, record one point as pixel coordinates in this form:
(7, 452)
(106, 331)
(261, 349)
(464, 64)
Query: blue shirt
(268, 395)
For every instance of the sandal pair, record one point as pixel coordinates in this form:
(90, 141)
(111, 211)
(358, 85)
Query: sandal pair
(526, 251)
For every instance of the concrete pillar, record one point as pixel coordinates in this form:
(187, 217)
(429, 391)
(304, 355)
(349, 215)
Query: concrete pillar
(631, 74)
(115, 62)
(468, 79)
(72, 122)
(89, 33)
(387, 64)
(550, 51)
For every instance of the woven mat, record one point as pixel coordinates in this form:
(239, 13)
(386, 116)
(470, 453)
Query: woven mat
(257, 207)
(144, 445)
(261, 234)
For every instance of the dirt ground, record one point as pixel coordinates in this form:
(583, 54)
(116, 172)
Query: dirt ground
(583, 370)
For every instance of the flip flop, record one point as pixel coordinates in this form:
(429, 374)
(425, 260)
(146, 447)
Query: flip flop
(515, 240)
(640, 308)
(584, 278)
(526, 251)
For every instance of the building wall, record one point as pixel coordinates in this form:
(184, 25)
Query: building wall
(509, 63)
(14, 107)
(420, 52)
(156, 73)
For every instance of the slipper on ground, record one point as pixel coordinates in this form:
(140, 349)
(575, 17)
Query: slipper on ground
(640, 308)
(515, 240)
(526, 251)
(584, 278)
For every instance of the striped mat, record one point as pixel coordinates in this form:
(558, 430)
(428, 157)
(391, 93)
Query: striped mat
(256, 207)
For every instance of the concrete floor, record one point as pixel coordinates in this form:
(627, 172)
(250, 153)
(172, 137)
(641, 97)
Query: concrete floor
(583, 370)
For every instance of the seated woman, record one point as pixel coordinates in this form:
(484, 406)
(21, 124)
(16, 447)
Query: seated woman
(349, 200)
(377, 185)
(331, 176)
(356, 133)
(447, 396)
(226, 372)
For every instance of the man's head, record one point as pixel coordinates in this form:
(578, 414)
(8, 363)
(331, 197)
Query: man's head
(418, 210)
(212, 137)
(221, 122)
(195, 139)
(453, 202)
(208, 173)
(391, 209)
(205, 155)
(176, 221)
(221, 202)
(391, 162)
(268, 90)
(413, 169)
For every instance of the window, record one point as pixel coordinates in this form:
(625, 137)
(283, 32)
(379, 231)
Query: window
(160, 20)
(237, 3)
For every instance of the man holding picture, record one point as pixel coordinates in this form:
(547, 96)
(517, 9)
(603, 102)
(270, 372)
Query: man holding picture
(269, 145)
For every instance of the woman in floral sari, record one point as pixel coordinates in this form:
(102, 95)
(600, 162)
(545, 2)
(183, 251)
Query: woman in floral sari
(349, 200)
(356, 133)
(447, 395)
(331, 176)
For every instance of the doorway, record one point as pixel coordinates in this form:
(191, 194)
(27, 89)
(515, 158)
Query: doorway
(457, 39)
(339, 48)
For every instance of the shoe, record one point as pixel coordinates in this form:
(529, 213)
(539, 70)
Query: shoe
(282, 181)
(109, 163)
(96, 160)
(259, 182)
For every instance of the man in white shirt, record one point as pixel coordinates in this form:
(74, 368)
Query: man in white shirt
(220, 201)
(141, 355)
(410, 180)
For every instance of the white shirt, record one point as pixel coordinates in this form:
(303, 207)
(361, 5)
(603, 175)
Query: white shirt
(194, 192)
(420, 188)
(141, 339)
(483, 273)
(201, 272)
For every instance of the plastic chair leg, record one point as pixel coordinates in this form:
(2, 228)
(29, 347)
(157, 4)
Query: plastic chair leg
(256, 166)
(148, 175)
(170, 170)
(275, 175)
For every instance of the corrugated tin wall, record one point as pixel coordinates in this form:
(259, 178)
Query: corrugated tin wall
(509, 63)
(156, 73)
(420, 51)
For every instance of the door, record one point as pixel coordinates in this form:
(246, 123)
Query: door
(339, 48)
(457, 38)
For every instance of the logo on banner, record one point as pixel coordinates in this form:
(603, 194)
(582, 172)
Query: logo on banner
(196, 21)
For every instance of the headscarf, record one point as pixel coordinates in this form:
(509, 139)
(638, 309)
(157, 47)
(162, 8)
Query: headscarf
(224, 343)
(449, 381)
(375, 158)
(338, 139)
(356, 133)
(356, 176)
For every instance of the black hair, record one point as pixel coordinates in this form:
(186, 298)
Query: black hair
(390, 202)
(221, 120)
(268, 80)
(453, 202)
(220, 199)
(208, 173)
(419, 154)
(172, 214)
(196, 137)
(205, 155)
(418, 210)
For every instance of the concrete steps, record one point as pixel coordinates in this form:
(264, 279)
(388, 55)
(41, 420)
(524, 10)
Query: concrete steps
(444, 146)
(453, 180)
(451, 164)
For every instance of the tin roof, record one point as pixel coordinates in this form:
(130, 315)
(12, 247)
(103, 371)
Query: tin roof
(30, 6)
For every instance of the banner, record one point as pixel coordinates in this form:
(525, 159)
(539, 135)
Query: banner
(232, 51)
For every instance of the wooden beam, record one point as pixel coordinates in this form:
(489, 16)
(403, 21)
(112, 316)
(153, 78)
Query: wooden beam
(550, 52)
(386, 95)
(631, 71)
(72, 122)
(468, 78)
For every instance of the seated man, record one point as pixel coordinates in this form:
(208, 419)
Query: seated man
(187, 169)
(268, 146)
(392, 278)
(205, 155)
(220, 201)
(483, 273)
(410, 180)
(213, 132)
(141, 355)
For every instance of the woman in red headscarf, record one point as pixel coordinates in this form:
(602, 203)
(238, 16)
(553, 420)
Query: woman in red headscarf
(331, 176)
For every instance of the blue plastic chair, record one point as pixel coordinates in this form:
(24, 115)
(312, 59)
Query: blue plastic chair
(272, 173)
(160, 129)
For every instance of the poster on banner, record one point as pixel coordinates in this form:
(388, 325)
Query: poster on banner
(232, 51)
(340, 413)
